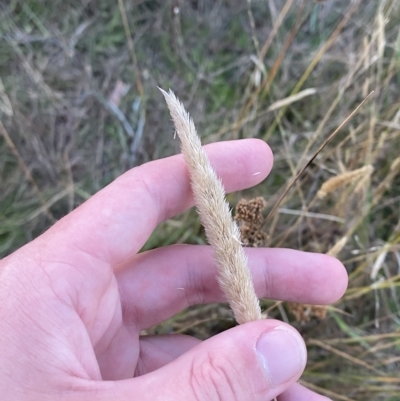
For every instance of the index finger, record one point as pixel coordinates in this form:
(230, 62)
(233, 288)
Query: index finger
(116, 222)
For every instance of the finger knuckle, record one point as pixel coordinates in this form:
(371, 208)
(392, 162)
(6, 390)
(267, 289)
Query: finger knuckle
(213, 378)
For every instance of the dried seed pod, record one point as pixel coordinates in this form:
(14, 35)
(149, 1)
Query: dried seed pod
(249, 218)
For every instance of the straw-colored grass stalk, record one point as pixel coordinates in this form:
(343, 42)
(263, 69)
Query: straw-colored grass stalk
(222, 232)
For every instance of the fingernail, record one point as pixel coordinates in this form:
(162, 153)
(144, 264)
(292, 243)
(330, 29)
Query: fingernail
(282, 353)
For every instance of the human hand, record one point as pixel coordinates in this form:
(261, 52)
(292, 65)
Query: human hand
(74, 301)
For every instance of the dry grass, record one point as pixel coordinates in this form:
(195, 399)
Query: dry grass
(286, 71)
(222, 233)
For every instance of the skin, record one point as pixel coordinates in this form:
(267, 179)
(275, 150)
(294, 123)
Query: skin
(74, 300)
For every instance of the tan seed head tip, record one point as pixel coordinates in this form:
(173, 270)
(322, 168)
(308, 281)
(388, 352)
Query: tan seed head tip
(172, 100)
(178, 112)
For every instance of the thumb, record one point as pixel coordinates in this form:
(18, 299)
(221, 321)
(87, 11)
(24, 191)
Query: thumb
(254, 361)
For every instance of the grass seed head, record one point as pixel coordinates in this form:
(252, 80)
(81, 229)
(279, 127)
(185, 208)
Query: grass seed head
(221, 231)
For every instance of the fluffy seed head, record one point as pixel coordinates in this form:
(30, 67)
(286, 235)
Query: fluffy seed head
(221, 231)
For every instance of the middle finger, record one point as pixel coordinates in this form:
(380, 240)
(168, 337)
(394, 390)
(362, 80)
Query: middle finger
(157, 284)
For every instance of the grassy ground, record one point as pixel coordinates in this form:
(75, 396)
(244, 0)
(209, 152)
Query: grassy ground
(79, 105)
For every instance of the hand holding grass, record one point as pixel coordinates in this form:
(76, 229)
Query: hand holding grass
(74, 301)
